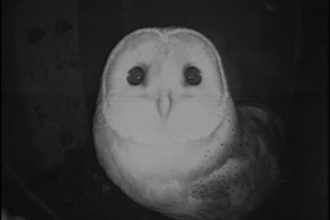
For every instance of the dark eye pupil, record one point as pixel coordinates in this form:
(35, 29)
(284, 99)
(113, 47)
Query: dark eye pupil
(192, 76)
(135, 76)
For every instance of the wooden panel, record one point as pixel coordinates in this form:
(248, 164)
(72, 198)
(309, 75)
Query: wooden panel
(48, 64)
(100, 28)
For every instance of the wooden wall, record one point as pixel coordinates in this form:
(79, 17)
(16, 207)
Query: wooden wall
(45, 114)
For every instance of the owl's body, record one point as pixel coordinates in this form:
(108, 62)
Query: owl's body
(168, 134)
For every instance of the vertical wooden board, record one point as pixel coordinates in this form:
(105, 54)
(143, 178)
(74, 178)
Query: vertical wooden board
(48, 64)
(100, 28)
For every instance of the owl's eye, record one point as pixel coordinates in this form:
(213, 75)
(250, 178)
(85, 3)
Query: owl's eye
(135, 76)
(192, 76)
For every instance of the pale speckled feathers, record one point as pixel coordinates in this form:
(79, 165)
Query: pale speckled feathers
(242, 183)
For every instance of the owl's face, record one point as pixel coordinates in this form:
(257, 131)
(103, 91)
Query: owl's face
(164, 85)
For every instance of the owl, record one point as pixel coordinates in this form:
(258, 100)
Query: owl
(168, 134)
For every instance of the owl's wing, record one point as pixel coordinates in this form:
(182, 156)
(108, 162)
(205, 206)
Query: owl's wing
(250, 173)
(267, 125)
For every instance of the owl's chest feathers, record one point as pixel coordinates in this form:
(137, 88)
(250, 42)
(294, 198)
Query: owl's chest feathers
(171, 159)
(161, 175)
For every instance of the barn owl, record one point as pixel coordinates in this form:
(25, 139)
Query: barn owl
(169, 135)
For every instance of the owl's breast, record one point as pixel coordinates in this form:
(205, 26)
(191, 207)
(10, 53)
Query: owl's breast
(159, 175)
(162, 179)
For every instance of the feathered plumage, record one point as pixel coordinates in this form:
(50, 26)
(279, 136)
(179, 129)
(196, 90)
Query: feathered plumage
(167, 132)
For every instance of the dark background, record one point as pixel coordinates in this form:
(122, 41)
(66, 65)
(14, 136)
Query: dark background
(275, 52)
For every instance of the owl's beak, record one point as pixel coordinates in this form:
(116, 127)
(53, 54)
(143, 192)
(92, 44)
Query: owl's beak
(164, 105)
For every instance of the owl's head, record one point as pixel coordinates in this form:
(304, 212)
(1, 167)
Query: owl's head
(164, 84)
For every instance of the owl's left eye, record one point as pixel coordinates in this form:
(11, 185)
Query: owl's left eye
(135, 76)
(192, 76)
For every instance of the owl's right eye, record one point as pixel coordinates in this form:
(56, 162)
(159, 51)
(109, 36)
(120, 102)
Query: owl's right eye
(135, 76)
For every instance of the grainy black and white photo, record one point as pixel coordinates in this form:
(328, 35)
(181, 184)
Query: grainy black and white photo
(164, 110)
